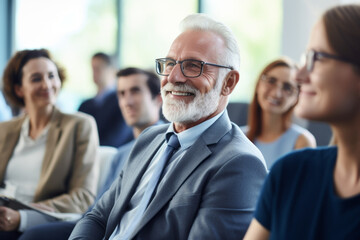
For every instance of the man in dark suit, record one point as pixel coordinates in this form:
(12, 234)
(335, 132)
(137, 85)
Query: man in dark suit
(112, 128)
(209, 186)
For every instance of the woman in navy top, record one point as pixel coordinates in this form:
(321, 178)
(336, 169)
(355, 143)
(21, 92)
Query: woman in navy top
(315, 193)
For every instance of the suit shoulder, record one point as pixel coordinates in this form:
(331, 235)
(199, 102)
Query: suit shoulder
(12, 122)
(86, 102)
(86, 105)
(78, 117)
(307, 158)
(244, 145)
(234, 146)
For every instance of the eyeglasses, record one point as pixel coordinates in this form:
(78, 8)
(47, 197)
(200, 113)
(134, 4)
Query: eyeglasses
(287, 88)
(190, 68)
(308, 59)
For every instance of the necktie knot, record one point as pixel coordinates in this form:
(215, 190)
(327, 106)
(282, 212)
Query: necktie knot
(173, 141)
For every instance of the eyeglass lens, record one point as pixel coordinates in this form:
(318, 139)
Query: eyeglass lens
(310, 60)
(190, 68)
(273, 82)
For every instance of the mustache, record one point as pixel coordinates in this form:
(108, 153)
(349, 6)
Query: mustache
(179, 87)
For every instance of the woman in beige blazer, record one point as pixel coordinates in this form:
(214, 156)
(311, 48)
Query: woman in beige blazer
(64, 146)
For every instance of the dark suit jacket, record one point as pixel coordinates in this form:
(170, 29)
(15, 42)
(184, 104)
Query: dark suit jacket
(210, 194)
(69, 176)
(112, 128)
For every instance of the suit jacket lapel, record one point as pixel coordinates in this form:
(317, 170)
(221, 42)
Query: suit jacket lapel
(183, 169)
(53, 137)
(193, 157)
(130, 181)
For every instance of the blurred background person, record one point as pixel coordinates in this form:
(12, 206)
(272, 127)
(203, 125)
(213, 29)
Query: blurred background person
(315, 193)
(112, 128)
(140, 101)
(47, 157)
(270, 126)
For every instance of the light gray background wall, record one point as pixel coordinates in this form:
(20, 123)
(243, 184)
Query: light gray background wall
(298, 18)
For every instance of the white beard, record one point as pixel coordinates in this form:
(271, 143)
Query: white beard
(179, 111)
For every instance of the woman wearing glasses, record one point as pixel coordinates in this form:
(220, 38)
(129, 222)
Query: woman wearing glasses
(315, 193)
(270, 125)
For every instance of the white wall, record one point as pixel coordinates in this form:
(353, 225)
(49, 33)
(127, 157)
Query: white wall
(298, 18)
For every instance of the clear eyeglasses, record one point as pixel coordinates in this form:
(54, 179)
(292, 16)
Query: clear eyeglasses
(190, 68)
(287, 88)
(308, 59)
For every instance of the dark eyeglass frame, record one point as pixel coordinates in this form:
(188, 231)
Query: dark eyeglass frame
(312, 56)
(289, 92)
(158, 60)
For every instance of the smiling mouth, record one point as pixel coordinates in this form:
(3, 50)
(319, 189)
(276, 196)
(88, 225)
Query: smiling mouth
(181, 93)
(274, 101)
(45, 94)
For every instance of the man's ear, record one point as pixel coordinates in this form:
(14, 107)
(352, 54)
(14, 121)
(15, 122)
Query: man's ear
(18, 91)
(231, 79)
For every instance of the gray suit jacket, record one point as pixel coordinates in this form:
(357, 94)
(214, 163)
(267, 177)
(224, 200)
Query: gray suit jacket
(210, 194)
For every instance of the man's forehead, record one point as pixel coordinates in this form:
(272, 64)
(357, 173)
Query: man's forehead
(134, 80)
(196, 44)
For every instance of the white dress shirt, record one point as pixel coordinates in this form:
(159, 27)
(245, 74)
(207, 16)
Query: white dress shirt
(24, 168)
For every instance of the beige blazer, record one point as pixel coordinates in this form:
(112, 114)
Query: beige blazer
(69, 172)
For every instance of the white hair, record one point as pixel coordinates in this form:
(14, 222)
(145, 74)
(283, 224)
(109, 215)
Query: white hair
(203, 22)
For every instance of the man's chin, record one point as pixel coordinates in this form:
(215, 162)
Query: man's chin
(174, 114)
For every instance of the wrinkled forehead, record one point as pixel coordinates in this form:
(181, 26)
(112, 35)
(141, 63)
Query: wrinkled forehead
(197, 44)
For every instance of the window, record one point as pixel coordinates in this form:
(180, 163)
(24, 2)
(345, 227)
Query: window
(148, 29)
(257, 27)
(73, 31)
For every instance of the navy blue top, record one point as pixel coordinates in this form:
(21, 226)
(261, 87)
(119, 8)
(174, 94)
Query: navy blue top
(112, 128)
(298, 200)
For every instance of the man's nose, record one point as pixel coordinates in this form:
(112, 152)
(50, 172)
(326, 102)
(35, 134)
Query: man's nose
(176, 75)
(128, 99)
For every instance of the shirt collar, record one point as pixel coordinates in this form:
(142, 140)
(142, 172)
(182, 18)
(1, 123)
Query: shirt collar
(189, 136)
